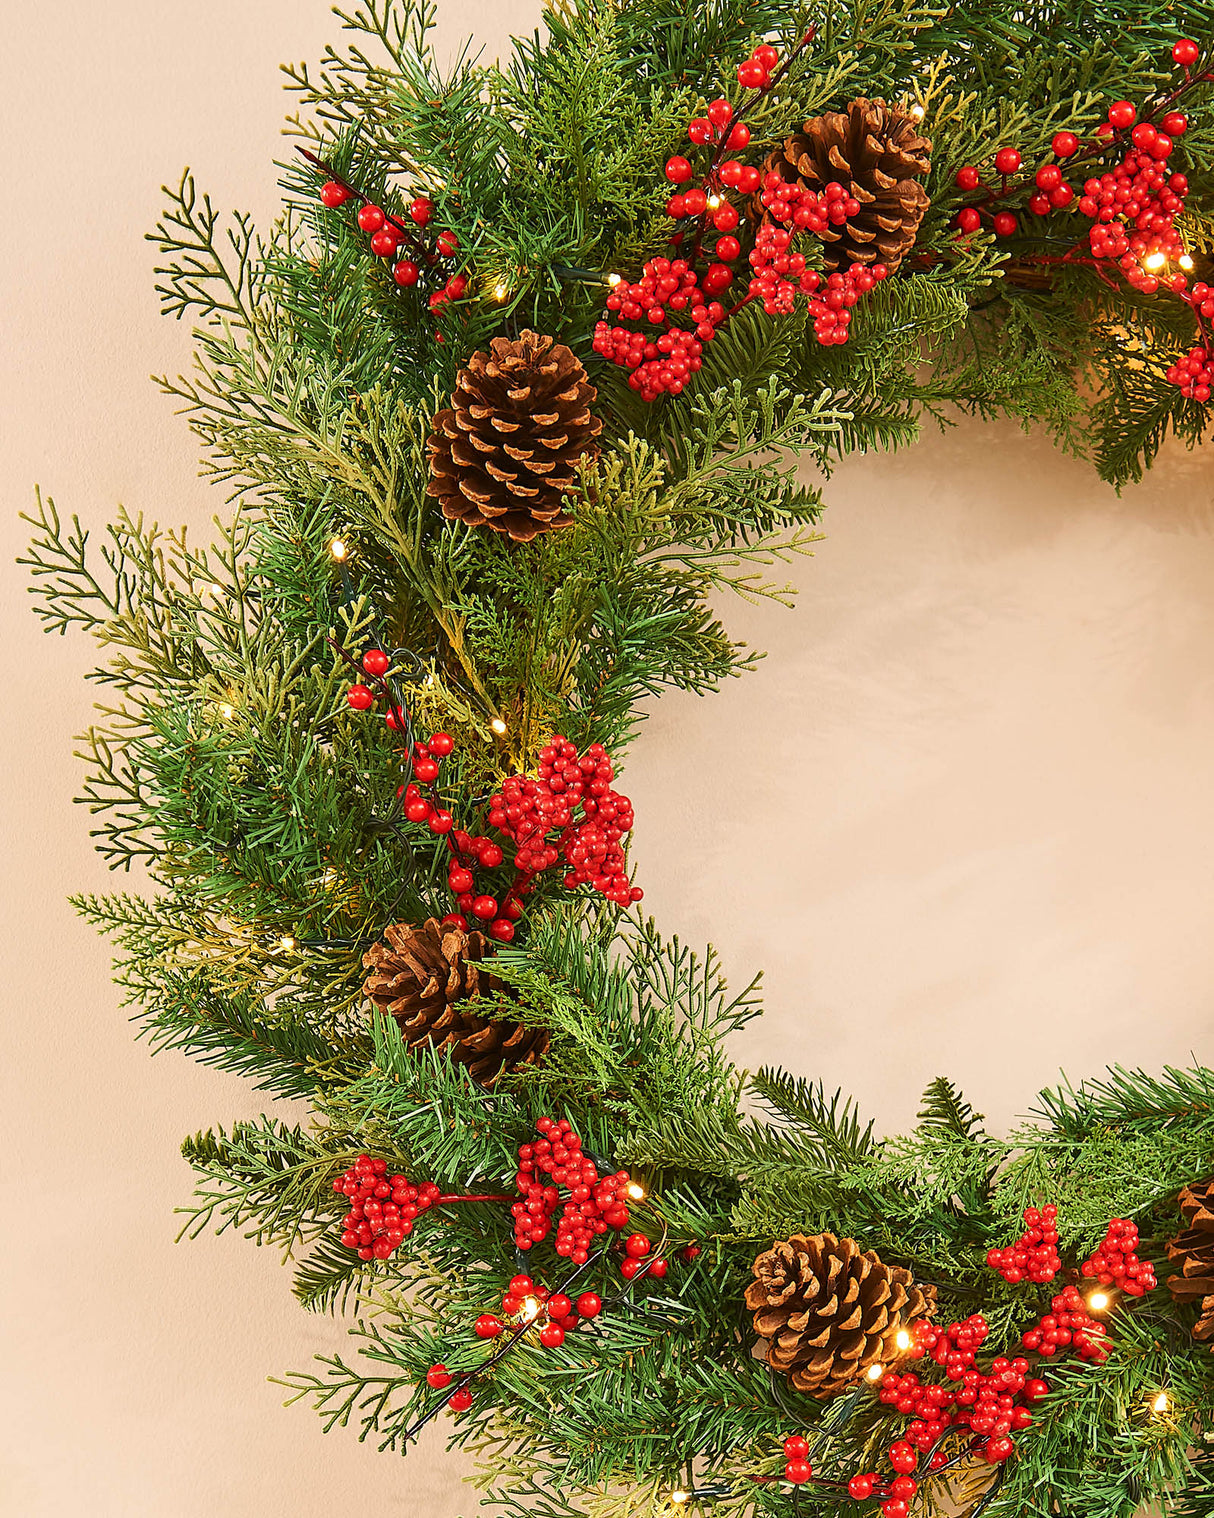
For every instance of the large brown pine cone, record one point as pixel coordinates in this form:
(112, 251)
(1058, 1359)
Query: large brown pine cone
(503, 456)
(1194, 1248)
(424, 976)
(875, 152)
(828, 1311)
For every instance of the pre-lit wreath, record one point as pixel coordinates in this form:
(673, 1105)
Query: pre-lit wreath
(515, 386)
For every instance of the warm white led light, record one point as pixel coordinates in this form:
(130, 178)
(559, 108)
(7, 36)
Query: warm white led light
(1154, 261)
(500, 292)
(875, 1372)
(338, 549)
(226, 712)
(635, 1190)
(680, 1496)
(615, 279)
(902, 1339)
(498, 726)
(1098, 1301)
(1185, 262)
(530, 1310)
(288, 944)
(713, 202)
(1162, 1403)
(918, 112)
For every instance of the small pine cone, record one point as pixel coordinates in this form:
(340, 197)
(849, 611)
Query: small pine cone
(829, 1311)
(1194, 1249)
(504, 455)
(424, 976)
(876, 153)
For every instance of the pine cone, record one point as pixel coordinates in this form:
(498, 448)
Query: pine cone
(424, 976)
(503, 456)
(874, 151)
(1194, 1248)
(829, 1311)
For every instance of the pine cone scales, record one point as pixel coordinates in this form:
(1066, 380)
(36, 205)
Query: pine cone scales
(876, 153)
(504, 454)
(829, 1310)
(425, 976)
(1194, 1248)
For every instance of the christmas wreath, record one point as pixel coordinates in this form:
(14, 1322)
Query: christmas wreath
(516, 386)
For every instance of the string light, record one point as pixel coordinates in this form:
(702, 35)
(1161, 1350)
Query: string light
(615, 279)
(227, 712)
(1154, 261)
(635, 1190)
(1161, 1403)
(530, 1309)
(1098, 1301)
(902, 1339)
(874, 1372)
(713, 202)
(498, 726)
(338, 549)
(288, 945)
(918, 112)
(680, 1496)
(500, 291)
(1185, 262)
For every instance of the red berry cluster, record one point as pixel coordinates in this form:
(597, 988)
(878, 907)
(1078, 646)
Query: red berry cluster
(665, 363)
(779, 273)
(984, 1403)
(529, 810)
(636, 1247)
(595, 1204)
(1134, 206)
(388, 233)
(797, 1468)
(1116, 1262)
(1194, 374)
(1034, 1256)
(1068, 1324)
(382, 1207)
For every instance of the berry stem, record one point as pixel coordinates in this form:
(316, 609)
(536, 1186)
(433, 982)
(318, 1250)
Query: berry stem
(408, 235)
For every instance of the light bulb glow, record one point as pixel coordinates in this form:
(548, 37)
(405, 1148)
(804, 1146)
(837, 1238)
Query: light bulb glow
(1098, 1301)
(1154, 261)
(902, 1339)
(635, 1190)
(918, 112)
(713, 202)
(227, 712)
(1185, 262)
(530, 1309)
(338, 549)
(500, 291)
(680, 1496)
(875, 1372)
(288, 944)
(498, 726)
(1162, 1403)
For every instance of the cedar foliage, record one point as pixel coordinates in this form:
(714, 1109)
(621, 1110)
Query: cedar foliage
(226, 764)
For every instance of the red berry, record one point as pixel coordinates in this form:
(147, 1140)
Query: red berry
(501, 929)
(795, 1447)
(699, 130)
(678, 170)
(798, 1471)
(1007, 160)
(658, 1268)
(490, 855)
(739, 136)
(1005, 224)
(968, 219)
(1065, 144)
(484, 907)
(895, 1507)
(426, 770)
(370, 218)
(405, 272)
(334, 194)
(728, 248)
(559, 1306)
(421, 210)
(460, 880)
(720, 113)
(460, 1401)
(752, 75)
(375, 661)
(968, 178)
(589, 1305)
(521, 1286)
(447, 243)
(1185, 52)
(1175, 124)
(636, 1245)
(360, 698)
(439, 1376)
(902, 1456)
(1048, 176)
(629, 1268)
(487, 1326)
(441, 744)
(454, 920)
(1039, 204)
(385, 242)
(904, 1487)
(766, 55)
(552, 1335)
(861, 1487)
(695, 202)
(1121, 115)
(441, 822)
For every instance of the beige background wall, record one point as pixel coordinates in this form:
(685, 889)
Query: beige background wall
(962, 815)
